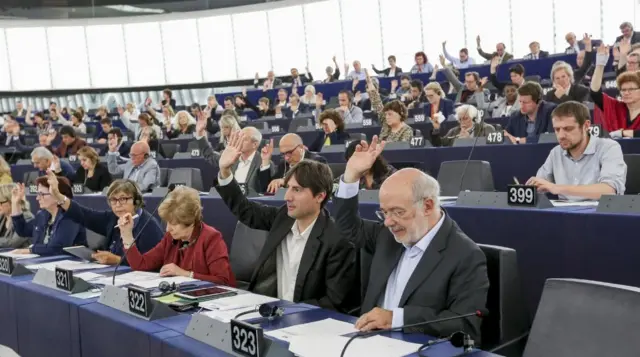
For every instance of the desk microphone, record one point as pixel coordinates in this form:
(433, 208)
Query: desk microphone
(475, 142)
(124, 252)
(479, 313)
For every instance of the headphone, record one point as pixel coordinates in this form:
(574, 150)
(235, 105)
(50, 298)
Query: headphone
(166, 287)
(265, 310)
(457, 339)
(472, 112)
(138, 201)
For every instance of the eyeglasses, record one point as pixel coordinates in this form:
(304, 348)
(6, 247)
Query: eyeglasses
(119, 200)
(290, 152)
(43, 194)
(628, 90)
(394, 214)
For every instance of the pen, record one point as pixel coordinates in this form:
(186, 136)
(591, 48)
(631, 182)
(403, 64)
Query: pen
(516, 180)
(132, 218)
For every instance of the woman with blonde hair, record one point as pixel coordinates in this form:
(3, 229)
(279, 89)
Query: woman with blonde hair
(182, 123)
(189, 248)
(9, 238)
(228, 125)
(438, 107)
(309, 97)
(5, 172)
(92, 174)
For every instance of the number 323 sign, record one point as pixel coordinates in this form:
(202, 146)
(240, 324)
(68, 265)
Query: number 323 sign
(246, 339)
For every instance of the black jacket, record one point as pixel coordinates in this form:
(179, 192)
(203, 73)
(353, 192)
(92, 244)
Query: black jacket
(327, 275)
(337, 137)
(577, 92)
(101, 178)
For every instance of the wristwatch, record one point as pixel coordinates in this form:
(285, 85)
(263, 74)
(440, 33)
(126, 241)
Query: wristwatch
(64, 199)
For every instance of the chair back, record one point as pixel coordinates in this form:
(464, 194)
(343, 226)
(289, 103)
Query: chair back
(245, 250)
(477, 177)
(187, 176)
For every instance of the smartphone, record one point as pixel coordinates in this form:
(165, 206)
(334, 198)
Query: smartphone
(206, 293)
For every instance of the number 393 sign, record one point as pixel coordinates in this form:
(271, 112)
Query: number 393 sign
(522, 195)
(246, 339)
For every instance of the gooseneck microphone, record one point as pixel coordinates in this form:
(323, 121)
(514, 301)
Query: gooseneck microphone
(265, 310)
(479, 313)
(135, 239)
(475, 142)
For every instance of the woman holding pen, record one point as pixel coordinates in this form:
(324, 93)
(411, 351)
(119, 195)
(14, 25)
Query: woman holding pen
(124, 198)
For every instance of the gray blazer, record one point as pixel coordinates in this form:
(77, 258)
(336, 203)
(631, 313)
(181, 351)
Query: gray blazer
(148, 175)
(459, 87)
(11, 239)
(450, 279)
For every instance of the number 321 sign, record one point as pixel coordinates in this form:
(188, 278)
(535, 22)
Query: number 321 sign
(246, 339)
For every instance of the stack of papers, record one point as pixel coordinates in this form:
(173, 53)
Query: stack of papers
(324, 345)
(142, 279)
(237, 302)
(559, 203)
(19, 256)
(228, 315)
(154, 283)
(329, 327)
(67, 264)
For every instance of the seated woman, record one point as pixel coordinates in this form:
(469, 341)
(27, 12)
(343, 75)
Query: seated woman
(392, 116)
(182, 123)
(228, 125)
(190, 247)
(8, 236)
(5, 172)
(620, 116)
(438, 105)
(51, 230)
(124, 198)
(467, 116)
(332, 130)
(373, 179)
(92, 174)
(77, 124)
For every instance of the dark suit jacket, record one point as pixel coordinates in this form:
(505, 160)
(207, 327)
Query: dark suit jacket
(207, 152)
(279, 172)
(387, 70)
(304, 78)
(252, 181)
(101, 178)
(635, 38)
(517, 125)
(446, 107)
(277, 82)
(577, 92)
(123, 150)
(327, 273)
(450, 279)
(63, 150)
(507, 56)
(337, 137)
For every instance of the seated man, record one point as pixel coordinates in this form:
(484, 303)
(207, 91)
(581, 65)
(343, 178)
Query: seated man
(44, 160)
(581, 166)
(303, 259)
(115, 135)
(71, 143)
(142, 168)
(101, 136)
(292, 151)
(534, 117)
(424, 266)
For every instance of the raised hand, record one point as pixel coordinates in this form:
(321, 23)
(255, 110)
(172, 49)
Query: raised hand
(483, 82)
(586, 39)
(120, 110)
(17, 193)
(442, 61)
(56, 163)
(394, 85)
(319, 100)
(346, 69)
(370, 86)
(201, 123)
(362, 159)
(444, 44)
(112, 143)
(52, 180)
(266, 153)
(232, 151)
(478, 40)
(125, 223)
(244, 92)
(358, 97)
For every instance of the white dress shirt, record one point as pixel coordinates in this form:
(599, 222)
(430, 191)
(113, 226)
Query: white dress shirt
(288, 255)
(403, 271)
(243, 168)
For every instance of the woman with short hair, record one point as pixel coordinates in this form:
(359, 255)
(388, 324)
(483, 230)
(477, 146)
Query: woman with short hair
(469, 127)
(9, 238)
(124, 198)
(332, 133)
(92, 174)
(190, 248)
(51, 230)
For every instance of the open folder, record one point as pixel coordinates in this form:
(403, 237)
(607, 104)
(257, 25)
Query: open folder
(81, 252)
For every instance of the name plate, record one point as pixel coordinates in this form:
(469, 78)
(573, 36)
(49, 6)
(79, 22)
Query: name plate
(139, 301)
(367, 122)
(6, 265)
(522, 195)
(275, 129)
(596, 130)
(33, 189)
(77, 188)
(417, 142)
(64, 279)
(246, 339)
(495, 138)
(418, 118)
(73, 158)
(195, 153)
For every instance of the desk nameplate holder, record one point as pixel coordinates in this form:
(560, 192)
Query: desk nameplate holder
(217, 334)
(13, 268)
(117, 298)
(619, 204)
(46, 277)
(495, 200)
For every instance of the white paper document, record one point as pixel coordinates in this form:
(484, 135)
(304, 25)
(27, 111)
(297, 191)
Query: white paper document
(557, 203)
(330, 327)
(67, 264)
(19, 256)
(154, 283)
(88, 276)
(322, 346)
(237, 302)
(227, 315)
(128, 278)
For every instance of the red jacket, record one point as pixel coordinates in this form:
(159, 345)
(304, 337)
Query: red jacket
(206, 256)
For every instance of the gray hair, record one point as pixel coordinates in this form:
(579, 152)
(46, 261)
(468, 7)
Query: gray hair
(468, 110)
(562, 65)
(626, 24)
(425, 186)
(41, 152)
(254, 133)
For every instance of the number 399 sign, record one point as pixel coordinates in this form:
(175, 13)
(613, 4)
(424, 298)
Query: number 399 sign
(522, 195)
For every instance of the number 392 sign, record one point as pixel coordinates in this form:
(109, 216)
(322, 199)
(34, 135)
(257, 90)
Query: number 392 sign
(246, 339)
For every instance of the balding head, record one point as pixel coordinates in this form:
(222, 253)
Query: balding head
(291, 148)
(139, 152)
(409, 199)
